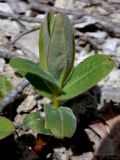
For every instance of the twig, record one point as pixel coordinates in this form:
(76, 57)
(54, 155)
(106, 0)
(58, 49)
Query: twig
(46, 8)
(20, 17)
(108, 25)
(13, 95)
(13, 41)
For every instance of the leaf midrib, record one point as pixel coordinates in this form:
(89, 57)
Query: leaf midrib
(61, 117)
(67, 86)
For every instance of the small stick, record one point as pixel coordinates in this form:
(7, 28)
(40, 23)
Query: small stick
(13, 94)
(23, 34)
(111, 27)
(46, 8)
(19, 17)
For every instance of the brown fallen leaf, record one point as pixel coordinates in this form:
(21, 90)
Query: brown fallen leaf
(108, 146)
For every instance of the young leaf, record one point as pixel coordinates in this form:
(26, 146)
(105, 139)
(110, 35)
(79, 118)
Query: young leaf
(87, 74)
(56, 45)
(35, 122)
(26, 66)
(44, 37)
(5, 86)
(60, 55)
(61, 122)
(6, 127)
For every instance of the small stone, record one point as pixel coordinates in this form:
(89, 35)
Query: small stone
(23, 7)
(91, 9)
(18, 121)
(3, 39)
(20, 52)
(112, 80)
(110, 88)
(2, 63)
(86, 21)
(29, 45)
(29, 90)
(9, 28)
(115, 17)
(60, 154)
(39, 105)
(87, 156)
(80, 5)
(92, 136)
(44, 101)
(4, 7)
(27, 105)
(98, 34)
(102, 11)
(110, 46)
(109, 94)
(64, 4)
(41, 16)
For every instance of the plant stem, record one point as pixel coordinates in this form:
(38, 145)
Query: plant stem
(55, 101)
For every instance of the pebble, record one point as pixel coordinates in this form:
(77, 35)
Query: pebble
(80, 4)
(9, 28)
(64, 4)
(2, 63)
(27, 105)
(60, 154)
(23, 7)
(4, 7)
(110, 46)
(44, 100)
(110, 88)
(115, 17)
(18, 121)
(86, 21)
(102, 11)
(3, 39)
(29, 45)
(112, 80)
(98, 34)
(87, 156)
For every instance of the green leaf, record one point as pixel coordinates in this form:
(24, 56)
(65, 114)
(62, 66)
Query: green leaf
(6, 127)
(87, 74)
(56, 46)
(43, 43)
(5, 86)
(60, 55)
(44, 37)
(61, 122)
(35, 122)
(40, 85)
(26, 66)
